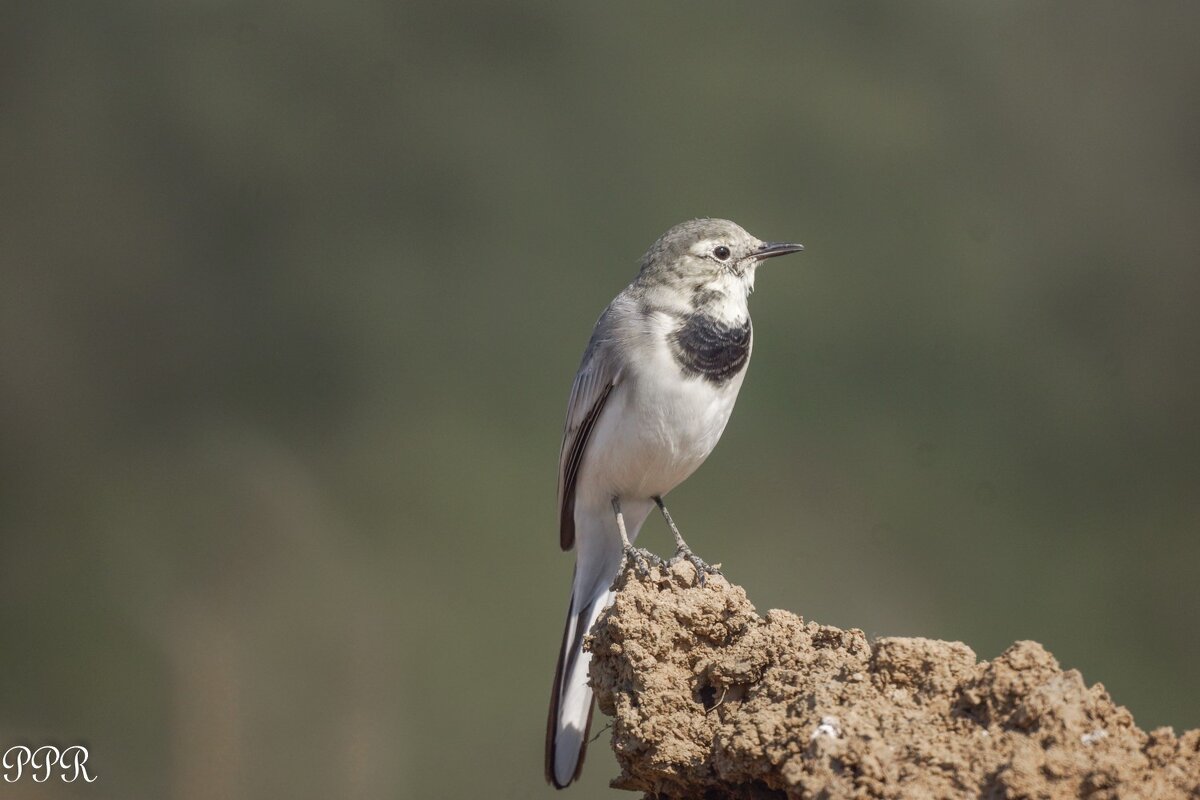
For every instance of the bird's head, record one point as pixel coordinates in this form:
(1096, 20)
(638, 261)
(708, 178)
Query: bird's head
(715, 253)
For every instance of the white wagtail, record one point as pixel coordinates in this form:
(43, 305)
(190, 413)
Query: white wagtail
(657, 384)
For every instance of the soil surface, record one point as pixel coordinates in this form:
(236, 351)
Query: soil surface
(710, 700)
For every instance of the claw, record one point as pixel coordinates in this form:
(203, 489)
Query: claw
(640, 559)
(703, 568)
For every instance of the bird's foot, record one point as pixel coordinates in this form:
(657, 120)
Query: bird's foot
(640, 559)
(703, 568)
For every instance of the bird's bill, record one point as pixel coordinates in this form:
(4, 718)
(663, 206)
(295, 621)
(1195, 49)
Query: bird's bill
(772, 249)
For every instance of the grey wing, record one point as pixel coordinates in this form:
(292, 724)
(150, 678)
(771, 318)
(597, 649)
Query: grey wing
(597, 376)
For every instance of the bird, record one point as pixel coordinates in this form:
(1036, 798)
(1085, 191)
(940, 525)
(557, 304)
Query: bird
(655, 388)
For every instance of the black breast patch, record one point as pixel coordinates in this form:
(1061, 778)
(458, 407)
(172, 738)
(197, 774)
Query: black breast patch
(710, 349)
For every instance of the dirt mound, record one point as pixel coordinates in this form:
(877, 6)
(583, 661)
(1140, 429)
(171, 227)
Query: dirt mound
(711, 700)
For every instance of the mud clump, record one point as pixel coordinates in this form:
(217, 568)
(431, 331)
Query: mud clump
(710, 700)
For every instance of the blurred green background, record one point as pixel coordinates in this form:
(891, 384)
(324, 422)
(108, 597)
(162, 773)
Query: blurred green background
(293, 295)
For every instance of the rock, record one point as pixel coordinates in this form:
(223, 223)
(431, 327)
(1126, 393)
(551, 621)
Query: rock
(711, 700)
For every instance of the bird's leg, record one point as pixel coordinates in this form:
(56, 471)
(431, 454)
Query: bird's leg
(681, 548)
(632, 554)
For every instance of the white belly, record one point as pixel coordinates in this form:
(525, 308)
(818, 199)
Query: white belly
(656, 429)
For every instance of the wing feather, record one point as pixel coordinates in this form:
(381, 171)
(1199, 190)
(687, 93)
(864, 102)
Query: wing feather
(593, 384)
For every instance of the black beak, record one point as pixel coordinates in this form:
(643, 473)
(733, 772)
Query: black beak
(772, 249)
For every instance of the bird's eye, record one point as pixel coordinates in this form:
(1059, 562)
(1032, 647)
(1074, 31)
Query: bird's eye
(721, 252)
